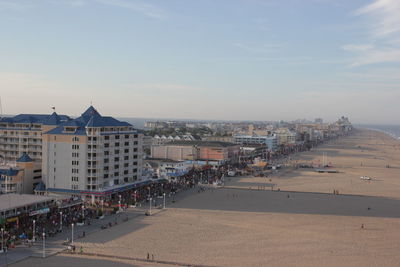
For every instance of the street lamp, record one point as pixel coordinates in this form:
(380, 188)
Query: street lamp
(164, 199)
(72, 234)
(83, 212)
(2, 239)
(119, 203)
(34, 230)
(150, 206)
(60, 221)
(44, 244)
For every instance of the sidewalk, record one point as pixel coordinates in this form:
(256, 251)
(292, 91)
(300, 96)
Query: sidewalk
(54, 245)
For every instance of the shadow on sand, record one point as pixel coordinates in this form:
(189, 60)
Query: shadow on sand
(245, 200)
(61, 261)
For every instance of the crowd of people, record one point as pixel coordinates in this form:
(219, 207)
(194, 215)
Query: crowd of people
(29, 228)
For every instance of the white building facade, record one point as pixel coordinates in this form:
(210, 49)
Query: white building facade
(92, 153)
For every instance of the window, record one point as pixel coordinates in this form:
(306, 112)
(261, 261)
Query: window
(126, 172)
(126, 179)
(134, 170)
(106, 168)
(126, 165)
(135, 156)
(75, 155)
(105, 160)
(75, 170)
(116, 166)
(116, 159)
(126, 158)
(116, 144)
(116, 174)
(75, 146)
(106, 144)
(75, 139)
(135, 136)
(106, 153)
(135, 163)
(106, 175)
(116, 151)
(75, 179)
(75, 162)
(126, 144)
(107, 137)
(126, 151)
(117, 137)
(135, 142)
(135, 149)
(116, 181)
(126, 136)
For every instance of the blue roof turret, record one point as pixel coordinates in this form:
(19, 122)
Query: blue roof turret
(25, 158)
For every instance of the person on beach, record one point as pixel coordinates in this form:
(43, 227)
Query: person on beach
(148, 256)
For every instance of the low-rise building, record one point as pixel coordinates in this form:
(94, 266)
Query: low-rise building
(166, 168)
(197, 150)
(22, 134)
(22, 178)
(285, 136)
(271, 141)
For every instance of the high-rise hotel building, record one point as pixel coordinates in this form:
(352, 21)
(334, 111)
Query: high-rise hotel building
(91, 153)
(22, 134)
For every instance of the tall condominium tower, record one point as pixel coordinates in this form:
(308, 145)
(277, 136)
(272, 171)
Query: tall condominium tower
(22, 134)
(91, 153)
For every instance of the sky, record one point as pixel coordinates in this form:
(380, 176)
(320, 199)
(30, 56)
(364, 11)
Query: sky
(203, 59)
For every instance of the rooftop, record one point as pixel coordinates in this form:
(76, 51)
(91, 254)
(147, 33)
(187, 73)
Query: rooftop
(90, 118)
(25, 158)
(200, 143)
(8, 172)
(53, 119)
(11, 201)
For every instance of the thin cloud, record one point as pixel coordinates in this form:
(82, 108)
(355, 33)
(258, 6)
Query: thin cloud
(258, 48)
(14, 5)
(137, 6)
(386, 15)
(383, 28)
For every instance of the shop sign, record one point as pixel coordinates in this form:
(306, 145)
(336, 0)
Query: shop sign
(37, 212)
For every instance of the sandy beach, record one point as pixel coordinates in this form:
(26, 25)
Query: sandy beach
(303, 224)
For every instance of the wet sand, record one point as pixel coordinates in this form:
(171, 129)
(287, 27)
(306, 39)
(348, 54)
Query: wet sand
(302, 225)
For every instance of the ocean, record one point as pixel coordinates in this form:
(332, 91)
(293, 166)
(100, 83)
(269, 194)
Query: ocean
(392, 130)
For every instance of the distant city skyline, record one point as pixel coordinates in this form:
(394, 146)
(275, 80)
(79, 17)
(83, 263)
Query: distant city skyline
(261, 60)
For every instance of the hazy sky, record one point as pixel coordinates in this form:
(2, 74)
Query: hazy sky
(204, 59)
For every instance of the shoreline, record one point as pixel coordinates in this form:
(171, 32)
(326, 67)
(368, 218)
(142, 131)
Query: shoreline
(392, 135)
